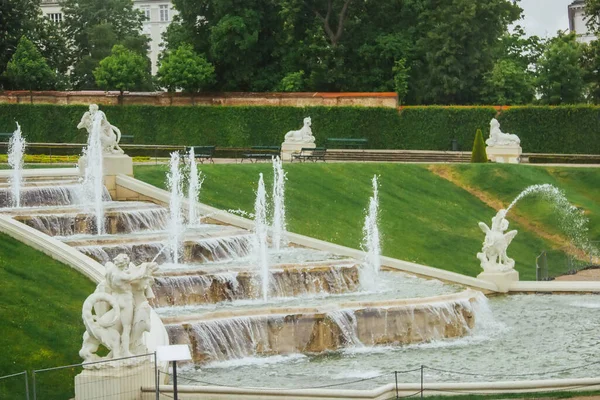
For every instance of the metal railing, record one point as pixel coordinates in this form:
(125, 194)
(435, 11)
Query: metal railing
(14, 386)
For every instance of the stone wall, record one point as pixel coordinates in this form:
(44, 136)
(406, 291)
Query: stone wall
(383, 99)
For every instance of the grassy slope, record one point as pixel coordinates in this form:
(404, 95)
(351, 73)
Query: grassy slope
(40, 307)
(424, 218)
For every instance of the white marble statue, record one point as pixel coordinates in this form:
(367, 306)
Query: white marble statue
(110, 136)
(303, 135)
(493, 255)
(499, 138)
(117, 314)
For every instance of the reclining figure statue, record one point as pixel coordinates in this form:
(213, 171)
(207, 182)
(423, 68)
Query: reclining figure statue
(117, 314)
(499, 138)
(303, 135)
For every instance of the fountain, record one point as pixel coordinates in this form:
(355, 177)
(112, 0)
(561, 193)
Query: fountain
(176, 226)
(260, 236)
(93, 180)
(279, 226)
(571, 219)
(194, 185)
(371, 242)
(16, 149)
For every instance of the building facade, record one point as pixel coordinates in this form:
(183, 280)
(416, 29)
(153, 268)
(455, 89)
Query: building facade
(159, 14)
(578, 21)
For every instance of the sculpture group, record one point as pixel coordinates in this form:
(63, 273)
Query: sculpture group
(493, 256)
(110, 135)
(117, 314)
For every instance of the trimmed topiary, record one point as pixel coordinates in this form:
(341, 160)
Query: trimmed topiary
(479, 154)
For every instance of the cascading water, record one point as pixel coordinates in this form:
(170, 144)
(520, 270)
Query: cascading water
(279, 227)
(371, 243)
(93, 181)
(260, 236)
(195, 184)
(571, 219)
(176, 227)
(16, 149)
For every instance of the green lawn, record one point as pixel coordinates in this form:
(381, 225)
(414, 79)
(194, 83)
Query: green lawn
(40, 308)
(424, 218)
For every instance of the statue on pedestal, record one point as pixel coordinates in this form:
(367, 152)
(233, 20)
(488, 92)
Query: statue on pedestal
(493, 255)
(110, 135)
(117, 314)
(303, 135)
(499, 138)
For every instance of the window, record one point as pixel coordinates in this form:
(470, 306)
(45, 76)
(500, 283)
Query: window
(146, 11)
(55, 17)
(164, 12)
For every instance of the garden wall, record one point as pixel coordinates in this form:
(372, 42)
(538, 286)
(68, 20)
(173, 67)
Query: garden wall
(569, 129)
(303, 99)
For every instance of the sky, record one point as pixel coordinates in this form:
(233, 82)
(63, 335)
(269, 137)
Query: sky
(544, 17)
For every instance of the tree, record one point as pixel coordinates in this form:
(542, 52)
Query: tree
(185, 69)
(479, 155)
(592, 11)
(27, 69)
(123, 70)
(292, 82)
(591, 66)
(94, 27)
(508, 84)
(560, 76)
(455, 46)
(401, 76)
(24, 17)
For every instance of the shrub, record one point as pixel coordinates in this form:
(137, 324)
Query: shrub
(479, 155)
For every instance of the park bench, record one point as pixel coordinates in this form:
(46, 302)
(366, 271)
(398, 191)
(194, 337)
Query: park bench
(257, 153)
(5, 136)
(310, 153)
(127, 138)
(346, 143)
(203, 153)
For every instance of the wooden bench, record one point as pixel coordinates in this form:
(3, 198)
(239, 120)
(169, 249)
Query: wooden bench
(347, 143)
(257, 153)
(309, 153)
(128, 138)
(203, 153)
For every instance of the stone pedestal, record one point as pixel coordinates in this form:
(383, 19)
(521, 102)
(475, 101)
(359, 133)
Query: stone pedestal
(114, 383)
(501, 279)
(112, 165)
(504, 154)
(287, 148)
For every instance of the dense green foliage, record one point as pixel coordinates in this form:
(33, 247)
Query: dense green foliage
(24, 17)
(568, 129)
(343, 45)
(123, 70)
(27, 69)
(411, 208)
(560, 76)
(479, 155)
(40, 304)
(186, 70)
(93, 28)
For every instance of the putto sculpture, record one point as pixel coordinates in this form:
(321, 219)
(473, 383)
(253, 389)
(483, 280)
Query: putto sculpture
(493, 255)
(110, 135)
(303, 135)
(117, 314)
(499, 138)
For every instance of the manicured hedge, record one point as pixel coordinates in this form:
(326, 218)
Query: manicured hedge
(565, 129)
(542, 129)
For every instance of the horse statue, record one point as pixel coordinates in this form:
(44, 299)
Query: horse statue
(493, 255)
(303, 135)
